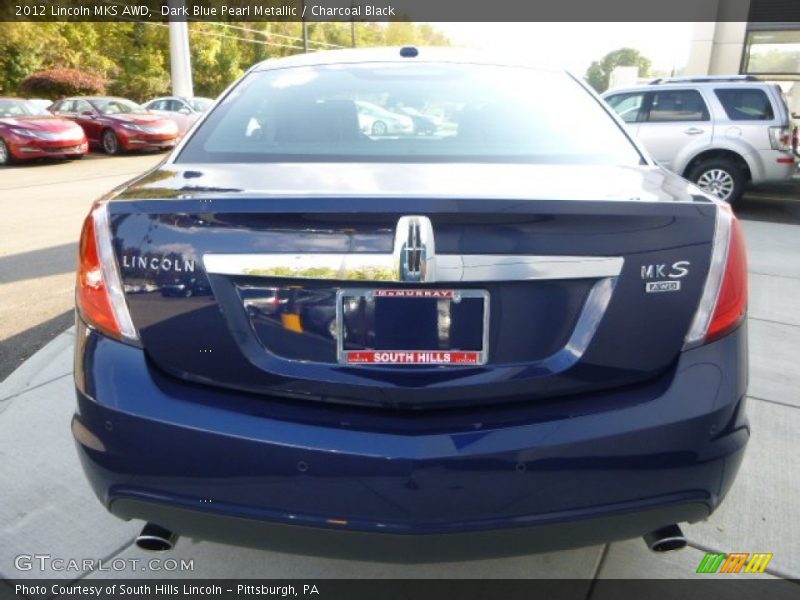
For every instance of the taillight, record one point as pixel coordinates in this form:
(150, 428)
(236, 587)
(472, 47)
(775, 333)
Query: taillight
(99, 296)
(780, 138)
(723, 305)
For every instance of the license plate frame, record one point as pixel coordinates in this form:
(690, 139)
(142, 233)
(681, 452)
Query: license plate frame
(411, 358)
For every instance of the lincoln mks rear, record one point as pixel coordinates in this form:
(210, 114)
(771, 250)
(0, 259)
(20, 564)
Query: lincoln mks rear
(510, 333)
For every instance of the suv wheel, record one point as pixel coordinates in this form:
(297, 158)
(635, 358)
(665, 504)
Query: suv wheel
(720, 177)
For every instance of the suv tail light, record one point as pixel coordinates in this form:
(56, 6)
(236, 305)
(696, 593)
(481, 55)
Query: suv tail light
(99, 297)
(723, 305)
(780, 138)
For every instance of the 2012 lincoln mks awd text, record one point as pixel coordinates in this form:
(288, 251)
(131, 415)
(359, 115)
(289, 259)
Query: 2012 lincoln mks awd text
(508, 331)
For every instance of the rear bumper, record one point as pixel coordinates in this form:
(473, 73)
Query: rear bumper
(777, 166)
(257, 471)
(432, 547)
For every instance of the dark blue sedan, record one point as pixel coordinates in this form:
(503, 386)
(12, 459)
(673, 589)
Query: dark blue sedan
(509, 332)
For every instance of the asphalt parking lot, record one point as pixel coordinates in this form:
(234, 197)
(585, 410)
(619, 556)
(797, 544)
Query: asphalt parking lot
(43, 206)
(47, 507)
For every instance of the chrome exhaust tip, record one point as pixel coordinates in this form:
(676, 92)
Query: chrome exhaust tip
(155, 538)
(666, 539)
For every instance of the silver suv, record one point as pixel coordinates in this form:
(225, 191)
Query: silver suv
(719, 132)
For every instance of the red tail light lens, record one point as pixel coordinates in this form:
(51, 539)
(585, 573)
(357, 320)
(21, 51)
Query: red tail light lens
(723, 305)
(732, 301)
(99, 297)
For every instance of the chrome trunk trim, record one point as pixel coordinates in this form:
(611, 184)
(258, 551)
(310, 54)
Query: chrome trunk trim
(442, 268)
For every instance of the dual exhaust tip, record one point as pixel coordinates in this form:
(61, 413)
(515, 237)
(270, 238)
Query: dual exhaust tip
(155, 538)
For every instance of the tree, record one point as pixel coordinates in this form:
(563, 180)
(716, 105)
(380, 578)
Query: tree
(599, 72)
(55, 83)
(132, 58)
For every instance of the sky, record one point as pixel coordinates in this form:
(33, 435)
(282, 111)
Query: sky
(575, 45)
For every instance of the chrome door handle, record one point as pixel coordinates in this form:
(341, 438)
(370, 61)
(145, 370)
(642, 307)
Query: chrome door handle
(693, 130)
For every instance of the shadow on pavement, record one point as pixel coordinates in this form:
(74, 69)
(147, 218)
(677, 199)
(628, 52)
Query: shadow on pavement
(776, 203)
(38, 263)
(18, 348)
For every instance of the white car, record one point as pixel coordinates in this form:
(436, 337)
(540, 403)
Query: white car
(184, 111)
(185, 106)
(376, 120)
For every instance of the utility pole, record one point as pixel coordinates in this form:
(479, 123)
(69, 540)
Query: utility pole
(180, 57)
(352, 26)
(305, 27)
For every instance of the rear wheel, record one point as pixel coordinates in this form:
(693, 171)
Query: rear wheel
(111, 143)
(720, 177)
(5, 154)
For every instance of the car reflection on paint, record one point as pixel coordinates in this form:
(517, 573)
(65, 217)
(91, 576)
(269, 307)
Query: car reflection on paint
(185, 288)
(378, 121)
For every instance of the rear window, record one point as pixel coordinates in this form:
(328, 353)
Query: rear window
(746, 104)
(420, 112)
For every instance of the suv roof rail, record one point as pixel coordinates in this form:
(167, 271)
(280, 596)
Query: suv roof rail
(704, 79)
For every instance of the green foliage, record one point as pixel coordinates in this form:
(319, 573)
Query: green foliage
(599, 72)
(142, 69)
(56, 83)
(133, 58)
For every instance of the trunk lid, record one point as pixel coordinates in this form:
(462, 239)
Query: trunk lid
(227, 282)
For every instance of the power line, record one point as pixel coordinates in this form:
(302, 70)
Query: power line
(271, 34)
(241, 39)
(207, 33)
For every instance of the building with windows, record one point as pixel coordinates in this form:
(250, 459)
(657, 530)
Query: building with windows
(766, 45)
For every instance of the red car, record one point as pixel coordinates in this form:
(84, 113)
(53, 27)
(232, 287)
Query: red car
(28, 131)
(117, 125)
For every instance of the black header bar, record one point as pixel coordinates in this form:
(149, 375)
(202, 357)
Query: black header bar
(403, 10)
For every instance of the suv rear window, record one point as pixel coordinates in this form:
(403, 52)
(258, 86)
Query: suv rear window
(410, 112)
(748, 104)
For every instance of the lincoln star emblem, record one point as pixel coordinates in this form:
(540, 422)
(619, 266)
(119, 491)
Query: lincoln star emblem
(414, 250)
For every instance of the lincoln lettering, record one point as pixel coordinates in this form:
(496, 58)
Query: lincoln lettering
(155, 263)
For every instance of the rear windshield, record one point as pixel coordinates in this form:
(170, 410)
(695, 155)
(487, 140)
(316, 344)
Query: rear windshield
(745, 104)
(420, 112)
